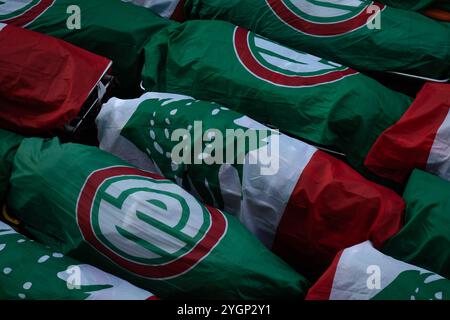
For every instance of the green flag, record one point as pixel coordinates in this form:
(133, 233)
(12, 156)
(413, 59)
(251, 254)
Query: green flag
(90, 205)
(425, 239)
(303, 95)
(9, 142)
(362, 34)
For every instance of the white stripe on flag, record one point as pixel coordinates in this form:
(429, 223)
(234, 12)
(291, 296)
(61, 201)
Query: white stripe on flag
(2, 25)
(113, 116)
(351, 278)
(164, 8)
(439, 160)
(265, 197)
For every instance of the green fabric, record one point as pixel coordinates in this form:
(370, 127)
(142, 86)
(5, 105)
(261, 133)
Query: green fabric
(408, 4)
(415, 284)
(425, 239)
(9, 142)
(198, 58)
(406, 41)
(45, 186)
(201, 179)
(28, 270)
(110, 28)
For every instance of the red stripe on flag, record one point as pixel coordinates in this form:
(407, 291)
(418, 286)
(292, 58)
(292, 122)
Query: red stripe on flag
(321, 290)
(321, 29)
(256, 68)
(178, 13)
(407, 144)
(332, 208)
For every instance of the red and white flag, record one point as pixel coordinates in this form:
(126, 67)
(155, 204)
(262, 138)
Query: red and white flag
(363, 273)
(419, 140)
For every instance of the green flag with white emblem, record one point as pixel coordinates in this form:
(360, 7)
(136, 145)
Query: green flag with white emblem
(303, 95)
(145, 229)
(362, 34)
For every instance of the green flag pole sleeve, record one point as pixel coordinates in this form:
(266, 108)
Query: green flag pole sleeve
(425, 239)
(29, 270)
(110, 28)
(300, 94)
(136, 225)
(362, 34)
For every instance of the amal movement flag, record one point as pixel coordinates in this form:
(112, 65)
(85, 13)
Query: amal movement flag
(425, 238)
(88, 204)
(111, 28)
(363, 273)
(301, 94)
(44, 82)
(362, 34)
(420, 139)
(300, 202)
(29, 270)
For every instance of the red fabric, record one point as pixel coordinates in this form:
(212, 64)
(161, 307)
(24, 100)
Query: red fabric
(178, 14)
(321, 290)
(437, 14)
(44, 81)
(407, 144)
(331, 208)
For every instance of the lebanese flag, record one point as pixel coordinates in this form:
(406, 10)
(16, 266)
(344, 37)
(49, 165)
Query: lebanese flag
(44, 82)
(363, 273)
(31, 262)
(170, 9)
(419, 140)
(308, 210)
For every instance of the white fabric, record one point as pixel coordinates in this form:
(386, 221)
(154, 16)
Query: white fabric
(164, 8)
(350, 280)
(259, 202)
(113, 116)
(439, 159)
(324, 11)
(119, 290)
(11, 6)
